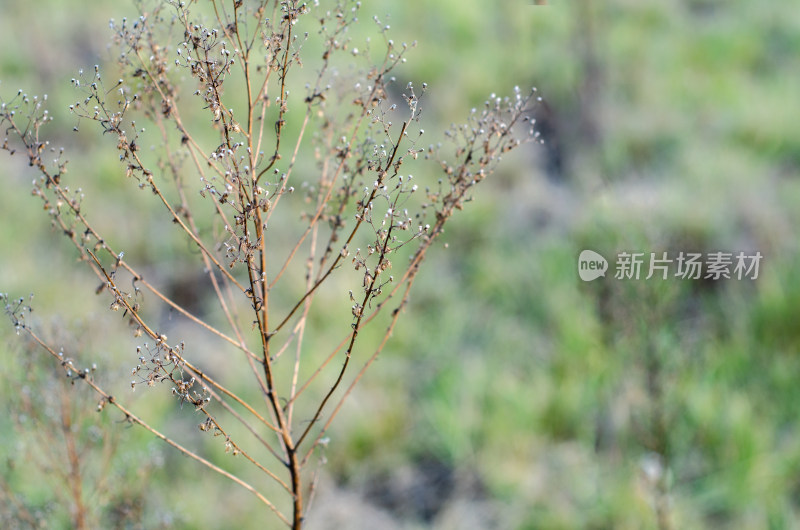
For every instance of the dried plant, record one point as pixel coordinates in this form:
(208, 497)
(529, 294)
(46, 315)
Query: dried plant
(344, 136)
(91, 482)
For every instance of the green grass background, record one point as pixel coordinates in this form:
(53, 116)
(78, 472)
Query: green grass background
(668, 126)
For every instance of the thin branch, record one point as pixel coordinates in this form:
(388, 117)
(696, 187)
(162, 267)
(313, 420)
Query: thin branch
(131, 417)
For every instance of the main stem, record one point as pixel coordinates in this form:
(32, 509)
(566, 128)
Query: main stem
(297, 489)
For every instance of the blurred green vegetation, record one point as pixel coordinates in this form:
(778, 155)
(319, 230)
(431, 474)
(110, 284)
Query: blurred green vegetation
(668, 127)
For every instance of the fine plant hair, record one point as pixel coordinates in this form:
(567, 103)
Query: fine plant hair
(304, 136)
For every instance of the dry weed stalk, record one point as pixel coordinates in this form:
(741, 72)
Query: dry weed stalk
(59, 438)
(366, 214)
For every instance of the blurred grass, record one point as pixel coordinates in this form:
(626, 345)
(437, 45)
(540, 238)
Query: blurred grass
(668, 127)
